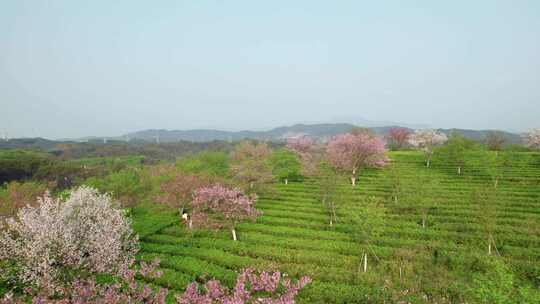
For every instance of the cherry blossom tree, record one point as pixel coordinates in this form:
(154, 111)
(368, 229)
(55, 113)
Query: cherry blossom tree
(84, 232)
(533, 138)
(250, 165)
(308, 151)
(426, 140)
(301, 145)
(217, 206)
(495, 140)
(352, 153)
(250, 287)
(178, 192)
(398, 137)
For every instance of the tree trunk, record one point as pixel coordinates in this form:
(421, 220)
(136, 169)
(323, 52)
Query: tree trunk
(365, 262)
(233, 234)
(334, 212)
(353, 180)
(286, 181)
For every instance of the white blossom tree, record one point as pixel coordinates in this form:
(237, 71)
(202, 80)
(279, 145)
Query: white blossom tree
(426, 140)
(533, 138)
(85, 232)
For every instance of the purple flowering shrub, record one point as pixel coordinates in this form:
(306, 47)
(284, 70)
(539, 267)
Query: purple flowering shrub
(262, 288)
(125, 290)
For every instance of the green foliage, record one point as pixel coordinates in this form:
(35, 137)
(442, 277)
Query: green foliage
(395, 182)
(518, 148)
(367, 222)
(129, 186)
(207, 162)
(418, 194)
(16, 195)
(328, 190)
(285, 165)
(113, 163)
(496, 285)
(454, 151)
(18, 165)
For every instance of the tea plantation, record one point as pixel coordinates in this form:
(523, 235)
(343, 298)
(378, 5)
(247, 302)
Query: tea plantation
(440, 236)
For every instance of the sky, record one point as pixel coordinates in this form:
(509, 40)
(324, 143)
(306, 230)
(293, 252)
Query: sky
(105, 68)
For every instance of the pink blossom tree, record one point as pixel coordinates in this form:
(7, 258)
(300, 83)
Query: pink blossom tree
(177, 192)
(301, 145)
(217, 206)
(533, 138)
(308, 151)
(352, 153)
(262, 288)
(398, 137)
(125, 289)
(250, 165)
(426, 140)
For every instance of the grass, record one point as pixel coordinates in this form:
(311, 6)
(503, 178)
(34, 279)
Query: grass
(410, 263)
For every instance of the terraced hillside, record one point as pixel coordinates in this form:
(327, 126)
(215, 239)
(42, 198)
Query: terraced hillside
(431, 246)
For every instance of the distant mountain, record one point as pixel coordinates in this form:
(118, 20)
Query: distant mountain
(316, 130)
(480, 135)
(29, 143)
(360, 121)
(320, 131)
(326, 130)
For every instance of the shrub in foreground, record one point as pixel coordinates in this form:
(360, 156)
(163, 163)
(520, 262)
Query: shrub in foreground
(125, 290)
(263, 288)
(85, 233)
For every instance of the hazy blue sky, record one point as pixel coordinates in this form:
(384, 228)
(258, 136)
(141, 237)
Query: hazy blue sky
(77, 68)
